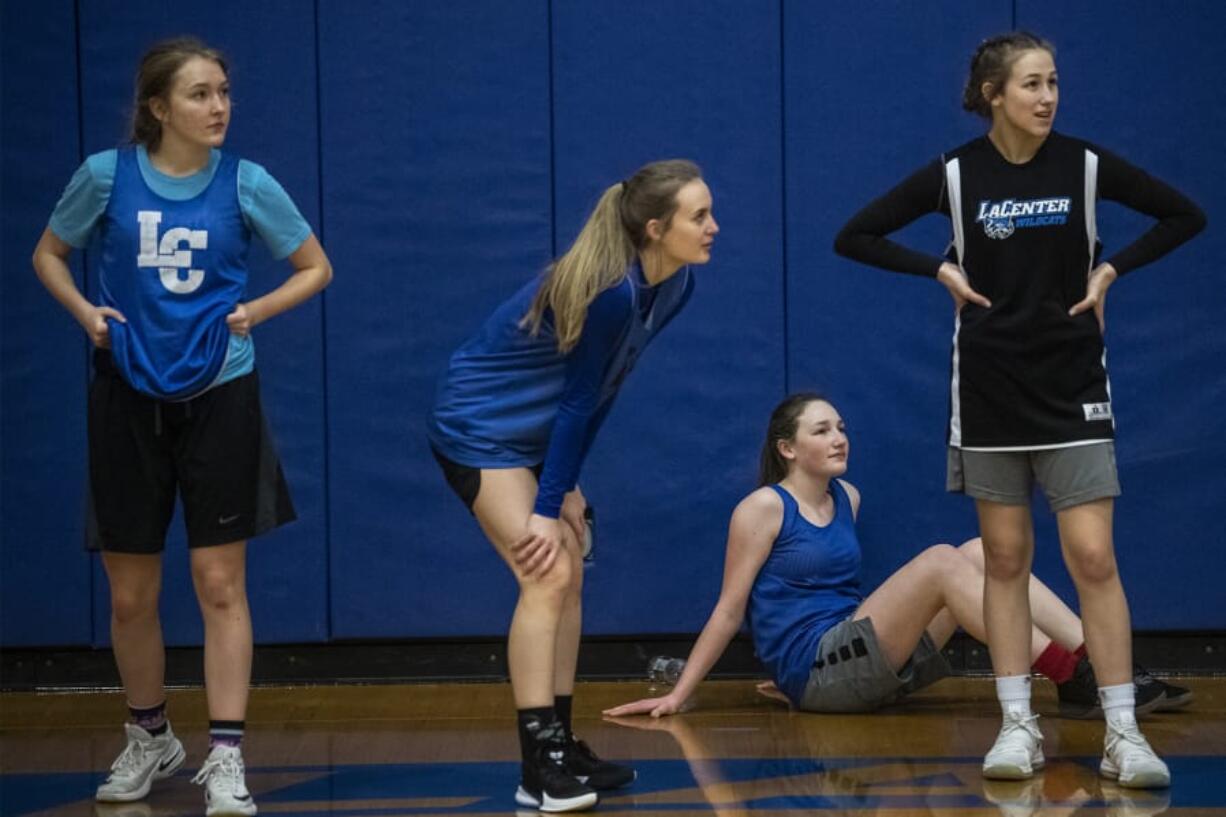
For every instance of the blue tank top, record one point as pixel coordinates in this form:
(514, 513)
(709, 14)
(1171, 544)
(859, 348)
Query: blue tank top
(809, 583)
(175, 269)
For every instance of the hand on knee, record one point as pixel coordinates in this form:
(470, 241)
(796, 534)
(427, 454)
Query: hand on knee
(551, 588)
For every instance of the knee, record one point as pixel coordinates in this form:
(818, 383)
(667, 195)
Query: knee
(972, 549)
(940, 556)
(130, 604)
(220, 590)
(1008, 562)
(943, 561)
(553, 588)
(1092, 564)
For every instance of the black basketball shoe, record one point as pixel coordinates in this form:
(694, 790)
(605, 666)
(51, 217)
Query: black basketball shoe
(579, 760)
(547, 786)
(1173, 697)
(1078, 696)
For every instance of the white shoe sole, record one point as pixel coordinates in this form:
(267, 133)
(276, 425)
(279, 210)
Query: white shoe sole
(555, 806)
(238, 812)
(140, 794)
(1143, 780)
(1011, 771)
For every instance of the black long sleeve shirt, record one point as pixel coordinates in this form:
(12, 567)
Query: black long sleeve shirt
(1025, 374)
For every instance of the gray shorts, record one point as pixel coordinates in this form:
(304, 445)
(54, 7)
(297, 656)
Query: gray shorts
(851, 674)
(1069, 476)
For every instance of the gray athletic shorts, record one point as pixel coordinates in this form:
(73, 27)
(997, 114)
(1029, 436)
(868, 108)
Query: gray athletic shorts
(852, 675)
(1069, 476)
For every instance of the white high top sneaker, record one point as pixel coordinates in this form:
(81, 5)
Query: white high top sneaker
(146, 758)
(1018, 751)
(225, 785)
(1129, 760)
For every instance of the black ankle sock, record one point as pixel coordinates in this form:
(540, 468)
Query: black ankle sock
(226, 733)
(562, 704)
(537, 725)
(152, 720)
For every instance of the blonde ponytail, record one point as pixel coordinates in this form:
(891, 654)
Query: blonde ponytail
(606, 246)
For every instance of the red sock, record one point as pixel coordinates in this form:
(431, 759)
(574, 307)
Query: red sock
(1056, 663)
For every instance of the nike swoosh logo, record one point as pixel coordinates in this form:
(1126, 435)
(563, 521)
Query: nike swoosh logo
(226, 520)
(164, 764)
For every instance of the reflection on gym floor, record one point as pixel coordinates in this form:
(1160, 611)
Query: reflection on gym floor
(442, 749)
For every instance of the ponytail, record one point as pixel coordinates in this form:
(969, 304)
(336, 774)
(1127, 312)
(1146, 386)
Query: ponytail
(606, 246)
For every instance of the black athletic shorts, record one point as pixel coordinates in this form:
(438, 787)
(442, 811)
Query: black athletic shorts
(214, 450)
(465, 480)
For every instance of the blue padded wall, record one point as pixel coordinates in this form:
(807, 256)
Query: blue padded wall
(865, 107)
(634, 82)
(445, 151)
(45, 593)
(435, 146)
(274, 123)
(1147, 97)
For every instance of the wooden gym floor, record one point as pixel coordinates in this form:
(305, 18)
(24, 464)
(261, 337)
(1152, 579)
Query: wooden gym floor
(450, 749)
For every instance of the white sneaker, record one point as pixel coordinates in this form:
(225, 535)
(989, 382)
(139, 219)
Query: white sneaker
(146, 758)
(225, 786)
(1128, 759)
(1018, 751)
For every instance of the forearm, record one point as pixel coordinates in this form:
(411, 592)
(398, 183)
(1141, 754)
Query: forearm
(720, 629)
(297, 288)
(1178, 217)
(877, 251)
(865, 236)
(563, 459)
(53, 272)
(1159, 240)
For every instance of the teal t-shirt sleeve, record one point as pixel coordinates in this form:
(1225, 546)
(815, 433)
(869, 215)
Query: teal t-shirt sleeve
(84, 199)
(269, 210)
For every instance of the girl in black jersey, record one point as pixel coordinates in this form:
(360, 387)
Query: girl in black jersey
(1029, 396)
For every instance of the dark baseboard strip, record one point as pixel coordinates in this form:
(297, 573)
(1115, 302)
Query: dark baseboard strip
(419, 661)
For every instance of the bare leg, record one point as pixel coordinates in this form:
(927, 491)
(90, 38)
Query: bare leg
(936, 591)
(1008, 545)
(570, 628)
(220, 576)
(136, 629)
(1085, 538)
(502, 509)
(1051, 615)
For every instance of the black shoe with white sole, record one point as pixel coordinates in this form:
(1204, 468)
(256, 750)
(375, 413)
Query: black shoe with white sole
(581, 762)
(547, 786)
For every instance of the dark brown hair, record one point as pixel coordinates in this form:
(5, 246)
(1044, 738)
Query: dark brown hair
(992, 63)
(155, 77)
(772, 467)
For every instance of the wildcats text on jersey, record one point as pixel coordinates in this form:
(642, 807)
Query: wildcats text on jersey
(1001, 218)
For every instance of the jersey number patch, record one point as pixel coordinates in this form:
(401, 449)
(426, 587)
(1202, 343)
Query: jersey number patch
(168, 255)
